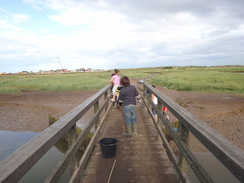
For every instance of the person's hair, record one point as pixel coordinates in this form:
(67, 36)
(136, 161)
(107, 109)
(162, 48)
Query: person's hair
(112, 74)
(124, 81)
(116, 71)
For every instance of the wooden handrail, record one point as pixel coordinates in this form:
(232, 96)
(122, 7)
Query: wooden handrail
(229, 154)
(17, 164)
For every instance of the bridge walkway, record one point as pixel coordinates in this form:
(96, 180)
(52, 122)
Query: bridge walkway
(140, 159)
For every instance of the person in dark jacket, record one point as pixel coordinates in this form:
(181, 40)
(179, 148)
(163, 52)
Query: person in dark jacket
(128, 95)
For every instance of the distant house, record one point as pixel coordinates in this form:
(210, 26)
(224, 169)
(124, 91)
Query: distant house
(98, 69)
(24, 72)
(89, 69)
(61, 70)
(80, 70)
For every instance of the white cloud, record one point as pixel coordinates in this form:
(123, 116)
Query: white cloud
(73, 16)
(17, 18)
(125, 33)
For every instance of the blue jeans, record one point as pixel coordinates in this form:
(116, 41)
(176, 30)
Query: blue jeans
(130, 114)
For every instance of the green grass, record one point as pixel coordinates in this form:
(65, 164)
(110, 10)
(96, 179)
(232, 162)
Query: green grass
(227, 79)
(205, 79)
(135, 73)
(54, 82)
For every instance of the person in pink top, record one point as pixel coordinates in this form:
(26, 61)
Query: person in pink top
(115, 80)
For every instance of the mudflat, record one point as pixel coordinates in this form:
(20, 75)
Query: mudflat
(29, 111)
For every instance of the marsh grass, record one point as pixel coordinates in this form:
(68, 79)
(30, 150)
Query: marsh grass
(228, 79)
(54, 82)
(136, 73)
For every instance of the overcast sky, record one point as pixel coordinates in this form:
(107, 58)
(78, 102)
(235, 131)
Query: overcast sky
(106, 34)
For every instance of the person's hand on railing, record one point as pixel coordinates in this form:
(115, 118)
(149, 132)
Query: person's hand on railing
(138, 97)
(120, 102)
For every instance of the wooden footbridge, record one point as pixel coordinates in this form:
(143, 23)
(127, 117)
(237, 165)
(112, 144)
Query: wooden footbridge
(148, 157)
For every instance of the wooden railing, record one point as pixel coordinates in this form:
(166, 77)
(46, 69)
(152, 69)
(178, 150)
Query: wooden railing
(16, 165)
(224, 150)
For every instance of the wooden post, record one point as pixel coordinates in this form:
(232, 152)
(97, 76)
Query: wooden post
(158, 120)
(71, 137)
(96, 108)
(184, 135)
(105, 98)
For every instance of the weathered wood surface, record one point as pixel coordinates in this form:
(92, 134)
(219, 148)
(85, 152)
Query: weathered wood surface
(138, 159)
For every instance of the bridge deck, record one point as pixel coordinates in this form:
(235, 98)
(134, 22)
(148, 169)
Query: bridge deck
(138, 159)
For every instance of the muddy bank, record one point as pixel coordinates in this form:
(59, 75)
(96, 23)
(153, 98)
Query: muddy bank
(29, 111)
(223, 112)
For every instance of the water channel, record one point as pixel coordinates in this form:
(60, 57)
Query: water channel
(11, 141)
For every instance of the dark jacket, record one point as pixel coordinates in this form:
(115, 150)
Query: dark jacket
(128, 95)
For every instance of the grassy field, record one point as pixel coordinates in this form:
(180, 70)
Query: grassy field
(54, 82)
(207, 79)
(228, 79)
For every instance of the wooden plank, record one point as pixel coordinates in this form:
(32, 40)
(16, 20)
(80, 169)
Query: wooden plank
(138, 159)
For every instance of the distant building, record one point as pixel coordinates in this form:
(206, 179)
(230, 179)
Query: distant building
(89, 69)
(98, 69)
(61, 70)
(80, 70)
(4, 73)
(24, 72)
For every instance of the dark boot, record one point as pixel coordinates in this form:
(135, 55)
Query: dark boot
(135, 129)
(128, 132)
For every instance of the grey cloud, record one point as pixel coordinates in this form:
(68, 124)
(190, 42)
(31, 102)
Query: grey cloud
(153, 8)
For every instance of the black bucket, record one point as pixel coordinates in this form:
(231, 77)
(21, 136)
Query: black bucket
(108, 147)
